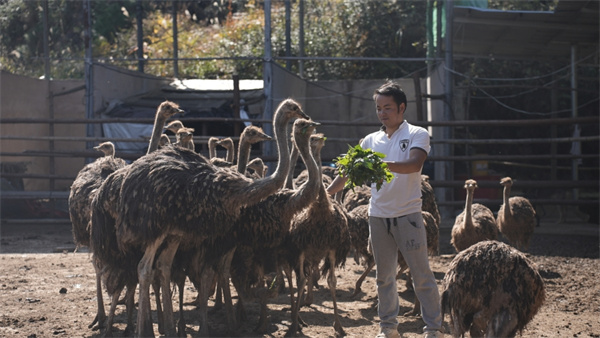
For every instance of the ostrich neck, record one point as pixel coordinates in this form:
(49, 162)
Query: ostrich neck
(468, 204)
(159, 123)
(243, 155)
(323, 196)
(212, 150)
(289, 181)
(229, 154)
(506, 195)
(313, 183)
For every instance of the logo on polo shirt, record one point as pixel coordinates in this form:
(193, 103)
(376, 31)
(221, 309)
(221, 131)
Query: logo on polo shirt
(404, 144)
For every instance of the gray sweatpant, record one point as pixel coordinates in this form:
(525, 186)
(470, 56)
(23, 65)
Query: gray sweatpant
(407, 234)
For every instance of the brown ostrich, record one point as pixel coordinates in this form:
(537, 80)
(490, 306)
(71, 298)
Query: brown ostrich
(83, 189)
(165, 110)
(176, 179)
(319, 232)
(258, 166)
(263, 228)
(516, 217)
(428, 198)
(491, 290)
(476, 223)
(185, 138)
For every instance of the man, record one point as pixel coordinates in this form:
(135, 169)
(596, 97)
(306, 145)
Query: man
(395, 220)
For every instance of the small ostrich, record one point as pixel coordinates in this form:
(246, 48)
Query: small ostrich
(428, 197)
(263, 228)
(83, 190)
(476, 223)
(491, 290)
(258, 166)
(320, 232)
(516, 218)
(174, 196)
(185, 138)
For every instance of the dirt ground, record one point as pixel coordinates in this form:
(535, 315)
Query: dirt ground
(47, 290)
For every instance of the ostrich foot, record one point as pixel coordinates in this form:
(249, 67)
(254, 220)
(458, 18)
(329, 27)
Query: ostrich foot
(181, 328)
(129, 331)
(412, 313)
(100, 321)
(339, 330)
(355, 293)
(263, 325)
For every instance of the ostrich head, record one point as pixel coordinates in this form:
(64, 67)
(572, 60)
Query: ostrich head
(164, 140)
(253, 134)
(506, 182)
(185, 135)
(168, 109)
(303, 127)
(257, 165)
(291, 109)
(425, 178)
(108, 148)
(174, 126)
(470, 185)
(317, 141)
(226, 143)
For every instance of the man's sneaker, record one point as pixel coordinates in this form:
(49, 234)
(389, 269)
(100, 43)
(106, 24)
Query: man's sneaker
(388, 332)
(433, 334)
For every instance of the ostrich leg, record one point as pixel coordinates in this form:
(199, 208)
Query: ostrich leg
(361, 279)
(163, 265)
(114, 300)
(130, 306)
(144, 318)
(100, 315)
(332, 283)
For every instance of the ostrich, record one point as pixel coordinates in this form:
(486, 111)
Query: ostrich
(476, 223)
(516, 217)
(428, 197)
(185, 138)
(204, 196)
(82, 190)
(491, 290)
(258, 166)
(174, 126)
(263, 228)
(318, 232)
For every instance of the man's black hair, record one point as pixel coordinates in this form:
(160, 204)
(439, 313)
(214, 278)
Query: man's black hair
(393, 89)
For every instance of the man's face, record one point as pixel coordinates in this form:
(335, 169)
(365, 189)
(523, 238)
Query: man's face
(389, 113)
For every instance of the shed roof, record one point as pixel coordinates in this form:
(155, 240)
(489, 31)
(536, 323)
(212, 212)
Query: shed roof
(527, 34)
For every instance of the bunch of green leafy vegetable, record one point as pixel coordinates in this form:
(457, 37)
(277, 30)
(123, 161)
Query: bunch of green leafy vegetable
(363, 166)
